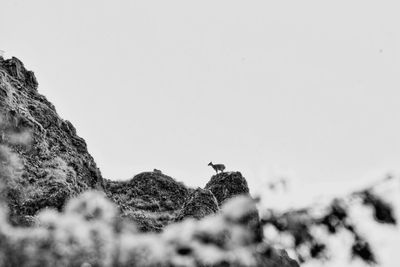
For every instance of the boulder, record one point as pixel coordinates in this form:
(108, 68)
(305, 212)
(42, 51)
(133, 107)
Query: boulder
(150, 199)
(226, 185)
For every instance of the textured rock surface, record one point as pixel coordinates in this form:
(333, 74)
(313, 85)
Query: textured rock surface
(56, 164)
(151, 191)
(16, 69)
(199, 204)
(227, 185)
(151, 199)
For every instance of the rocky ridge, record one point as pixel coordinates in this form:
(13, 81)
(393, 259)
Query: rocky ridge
(51, 164)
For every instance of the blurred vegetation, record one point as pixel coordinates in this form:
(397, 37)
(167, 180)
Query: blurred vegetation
(334, 218)
(89, 232)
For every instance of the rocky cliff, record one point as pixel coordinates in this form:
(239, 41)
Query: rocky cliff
(44, 164)
(55, 161)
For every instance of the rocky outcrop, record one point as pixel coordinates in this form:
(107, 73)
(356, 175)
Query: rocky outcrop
(55, 161)
(226, 185)
(15, 68)
(44, 163)
(199, 204)
(153, 200)
(150, 191)
(150, 199)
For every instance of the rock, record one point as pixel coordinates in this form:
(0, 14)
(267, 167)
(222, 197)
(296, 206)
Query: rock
(149, 191)
(55, 162)
(150, 199)
(226, 185)
(200, 203)
(15, 68)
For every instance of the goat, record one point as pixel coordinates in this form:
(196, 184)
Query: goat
(217, 167)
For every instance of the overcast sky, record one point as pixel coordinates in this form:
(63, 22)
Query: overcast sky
(308, 88)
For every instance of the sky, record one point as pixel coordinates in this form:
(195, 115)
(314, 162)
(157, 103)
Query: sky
(306, 89)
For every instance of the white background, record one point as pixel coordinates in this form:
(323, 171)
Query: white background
(309, 88)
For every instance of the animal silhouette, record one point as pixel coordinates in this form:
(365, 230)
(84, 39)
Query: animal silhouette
(217, 167)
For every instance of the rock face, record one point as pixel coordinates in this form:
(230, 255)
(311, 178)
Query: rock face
(227, 185)
(56, 164)
(199, 204)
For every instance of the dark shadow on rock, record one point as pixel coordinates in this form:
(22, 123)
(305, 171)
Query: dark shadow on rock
(200, 203)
